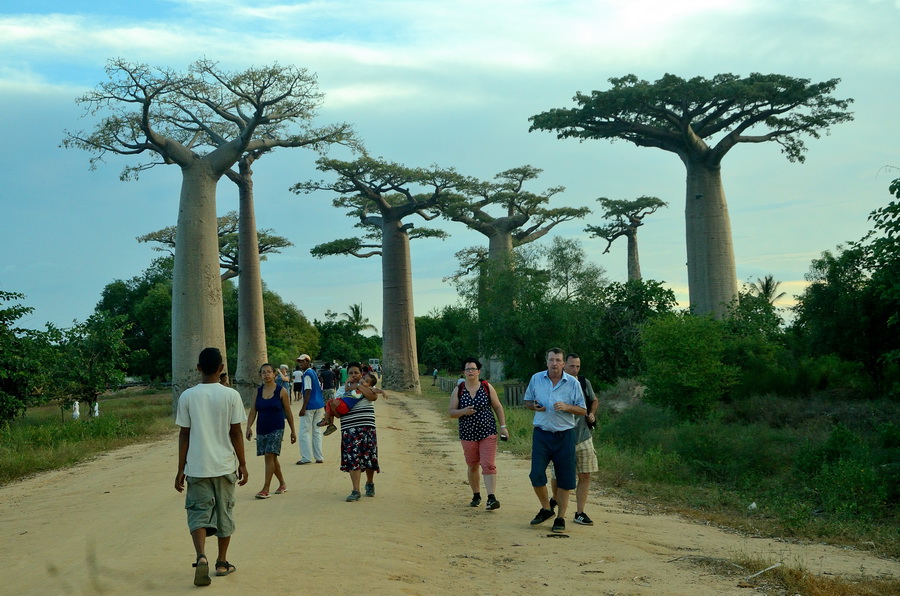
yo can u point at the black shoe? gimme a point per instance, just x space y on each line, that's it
492 504
559 525
353 496
370 489
542 516
476 501
583 519
553 504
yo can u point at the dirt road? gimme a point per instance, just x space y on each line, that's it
116 526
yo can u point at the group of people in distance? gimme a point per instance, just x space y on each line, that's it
564 407
211 457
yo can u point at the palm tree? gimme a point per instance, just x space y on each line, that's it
767 288
357 321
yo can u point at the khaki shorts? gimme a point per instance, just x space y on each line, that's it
210 504
585 459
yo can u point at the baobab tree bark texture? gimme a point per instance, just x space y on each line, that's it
712 276
197 313
252 351
399 354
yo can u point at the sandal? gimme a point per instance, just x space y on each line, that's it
262 495
322 423
281 489
201 575
228 567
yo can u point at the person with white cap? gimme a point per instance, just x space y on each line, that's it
312 411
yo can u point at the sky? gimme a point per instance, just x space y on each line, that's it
444 82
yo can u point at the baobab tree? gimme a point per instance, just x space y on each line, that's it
380 195
701 120
267 243
524 216
204 122
627 216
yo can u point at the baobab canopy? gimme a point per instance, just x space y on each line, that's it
700 120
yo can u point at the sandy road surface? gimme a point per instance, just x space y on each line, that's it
116 526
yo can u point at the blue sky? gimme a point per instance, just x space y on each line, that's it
446 82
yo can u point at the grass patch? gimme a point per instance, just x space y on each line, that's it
44 440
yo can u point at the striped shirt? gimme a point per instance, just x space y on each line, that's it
362 414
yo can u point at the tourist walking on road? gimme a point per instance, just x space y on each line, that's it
585 454
556 399
475 403
359 442
211 461
312 410
270 409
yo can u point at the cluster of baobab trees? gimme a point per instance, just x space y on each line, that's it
213 123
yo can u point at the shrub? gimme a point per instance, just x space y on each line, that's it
684 365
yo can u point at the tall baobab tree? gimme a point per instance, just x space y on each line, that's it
202 121
523 215
380 195
627 216
701 120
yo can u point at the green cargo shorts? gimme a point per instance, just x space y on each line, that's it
210 504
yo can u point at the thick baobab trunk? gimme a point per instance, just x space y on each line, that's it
500 254
197 317
251 346
712 278
634 260
500 247
399 360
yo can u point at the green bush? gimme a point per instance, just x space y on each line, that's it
850 487
684 368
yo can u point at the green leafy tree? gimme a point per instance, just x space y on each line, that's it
626 217
146 303
610 339
340 342
204 122
380 195
842 312
92 358
551 290
447 336
684 368
884 255
701 120
24 356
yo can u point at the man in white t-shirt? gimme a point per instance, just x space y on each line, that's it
210 460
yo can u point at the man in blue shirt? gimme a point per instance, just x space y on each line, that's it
556 399
312 411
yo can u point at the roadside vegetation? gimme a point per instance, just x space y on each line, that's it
812 470
46 438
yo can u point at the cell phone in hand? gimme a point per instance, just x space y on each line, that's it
504 438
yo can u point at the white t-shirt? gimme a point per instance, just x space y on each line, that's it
209 410
298 376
